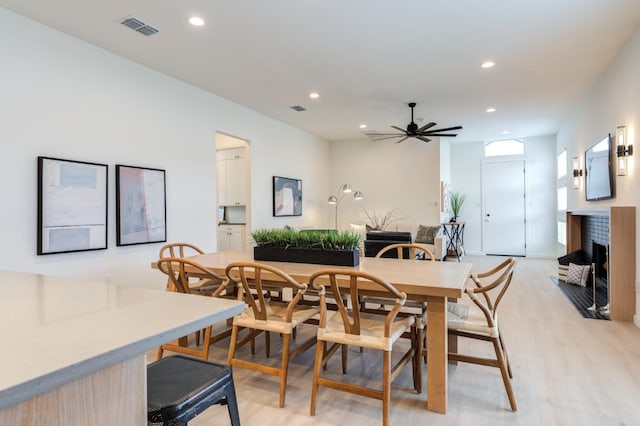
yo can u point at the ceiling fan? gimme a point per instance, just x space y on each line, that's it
413 131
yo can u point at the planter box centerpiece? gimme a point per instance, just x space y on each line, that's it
309 246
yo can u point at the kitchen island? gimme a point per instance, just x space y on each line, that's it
74 350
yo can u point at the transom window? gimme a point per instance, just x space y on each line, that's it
504 147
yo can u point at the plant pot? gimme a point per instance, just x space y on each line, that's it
315 256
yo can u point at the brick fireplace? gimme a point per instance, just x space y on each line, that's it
614 227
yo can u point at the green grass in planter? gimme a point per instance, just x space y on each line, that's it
288 238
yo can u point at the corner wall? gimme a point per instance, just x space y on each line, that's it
614 100
64 98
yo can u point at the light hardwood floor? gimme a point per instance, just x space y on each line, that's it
567 371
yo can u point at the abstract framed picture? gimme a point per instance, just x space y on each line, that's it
72 206
287 196
141 207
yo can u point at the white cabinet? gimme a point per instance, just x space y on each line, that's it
231 237
232 177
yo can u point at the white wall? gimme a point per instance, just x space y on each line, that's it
61 97
404 177
614 100
466 172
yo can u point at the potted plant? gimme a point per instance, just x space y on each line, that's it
320 247
456 200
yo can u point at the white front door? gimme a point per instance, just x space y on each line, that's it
504 207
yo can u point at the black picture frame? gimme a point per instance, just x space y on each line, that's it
287 196
141 205
72 206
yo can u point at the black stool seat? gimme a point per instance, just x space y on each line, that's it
179 388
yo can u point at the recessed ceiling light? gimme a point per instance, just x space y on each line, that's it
505 132
196 21
363 126
314 95
488 64
491 110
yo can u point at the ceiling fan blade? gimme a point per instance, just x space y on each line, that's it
385 134
426 126
445 129
387 137
398 128
423 139
406 137
440 134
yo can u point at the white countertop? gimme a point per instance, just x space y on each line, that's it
56 330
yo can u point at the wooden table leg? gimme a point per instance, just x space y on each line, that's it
437 345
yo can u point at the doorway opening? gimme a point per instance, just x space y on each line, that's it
233 192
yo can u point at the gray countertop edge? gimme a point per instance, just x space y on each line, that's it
29 389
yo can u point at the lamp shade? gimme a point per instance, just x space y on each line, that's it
333 200
358 195
346 188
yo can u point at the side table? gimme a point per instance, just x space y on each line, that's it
454 231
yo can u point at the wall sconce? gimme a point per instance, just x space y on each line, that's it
342 191
577 173
623 150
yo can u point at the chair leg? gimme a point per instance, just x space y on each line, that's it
416 337
284 367
506 355
206 343
232 404
320 351
345 352
267 343
232 345
386 387
505 374
252 344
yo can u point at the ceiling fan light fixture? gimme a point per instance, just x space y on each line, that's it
422 133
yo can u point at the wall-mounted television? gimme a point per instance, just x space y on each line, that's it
599 170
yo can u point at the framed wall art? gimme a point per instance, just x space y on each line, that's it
72 206
140 205
287 196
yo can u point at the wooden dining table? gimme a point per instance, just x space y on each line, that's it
431 282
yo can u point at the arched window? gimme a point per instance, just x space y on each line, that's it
504 147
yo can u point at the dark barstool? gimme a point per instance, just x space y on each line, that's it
179 388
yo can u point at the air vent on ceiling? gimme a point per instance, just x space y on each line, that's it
139 26
298 108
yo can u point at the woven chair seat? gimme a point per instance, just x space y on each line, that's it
371 331
276 314
470 318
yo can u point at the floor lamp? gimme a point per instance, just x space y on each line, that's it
342 191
